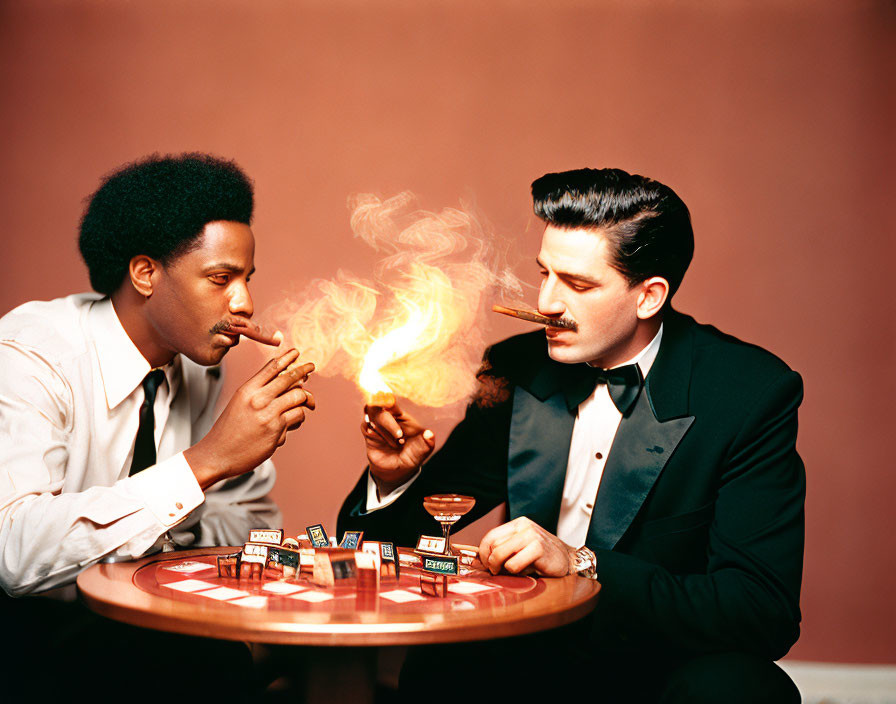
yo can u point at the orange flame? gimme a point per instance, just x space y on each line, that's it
417 329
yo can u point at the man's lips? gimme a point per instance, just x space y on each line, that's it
553 333
226 339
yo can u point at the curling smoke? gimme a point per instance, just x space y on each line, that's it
416 328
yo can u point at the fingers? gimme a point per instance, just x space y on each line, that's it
376 436
523 557
393 424
293 418
498 534
382 423
502 550
293 399
523 546
274 367
295 375
504 541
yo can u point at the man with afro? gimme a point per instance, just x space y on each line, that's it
110 447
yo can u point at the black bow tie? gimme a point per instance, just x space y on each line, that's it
623 383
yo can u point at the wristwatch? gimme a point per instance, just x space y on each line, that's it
585 564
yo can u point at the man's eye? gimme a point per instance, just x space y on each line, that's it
580 287
219 279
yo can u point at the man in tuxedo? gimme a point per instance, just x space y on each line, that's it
632 445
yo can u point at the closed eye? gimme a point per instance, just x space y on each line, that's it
579 287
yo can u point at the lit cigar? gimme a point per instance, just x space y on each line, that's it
384 399
533 317
247 328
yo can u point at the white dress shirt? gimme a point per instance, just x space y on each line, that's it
597 421
70 394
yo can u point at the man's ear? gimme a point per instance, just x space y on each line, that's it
653 294
141 270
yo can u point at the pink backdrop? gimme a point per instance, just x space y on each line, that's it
773 120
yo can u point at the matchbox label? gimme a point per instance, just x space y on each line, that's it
268 536
284 556
318 536
351 539
442 564
429 543
255 552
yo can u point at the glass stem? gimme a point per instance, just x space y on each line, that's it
446 529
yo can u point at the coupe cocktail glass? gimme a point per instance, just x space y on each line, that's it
447 509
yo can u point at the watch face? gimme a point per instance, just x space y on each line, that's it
586 562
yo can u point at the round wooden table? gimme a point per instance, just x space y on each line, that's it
144 593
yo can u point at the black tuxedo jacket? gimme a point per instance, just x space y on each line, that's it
698 521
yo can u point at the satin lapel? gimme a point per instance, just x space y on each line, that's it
540 433
640 450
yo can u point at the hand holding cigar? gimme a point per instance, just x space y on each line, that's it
255 422
534 317
246 328
397 444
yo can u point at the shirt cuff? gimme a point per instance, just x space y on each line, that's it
169 490
374 503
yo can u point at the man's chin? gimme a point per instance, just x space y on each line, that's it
565 354
207 358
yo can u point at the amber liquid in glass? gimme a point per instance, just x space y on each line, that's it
448 509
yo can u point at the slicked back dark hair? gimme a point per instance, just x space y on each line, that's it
158 206
647 224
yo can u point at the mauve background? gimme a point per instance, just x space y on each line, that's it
773 120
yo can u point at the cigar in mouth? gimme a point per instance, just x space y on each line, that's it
534 317
247 328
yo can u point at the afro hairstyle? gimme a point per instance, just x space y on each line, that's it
158 206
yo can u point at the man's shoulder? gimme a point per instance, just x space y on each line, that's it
55 328
518 356
726 350
721 362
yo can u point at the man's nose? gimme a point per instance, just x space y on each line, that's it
241 301
548 302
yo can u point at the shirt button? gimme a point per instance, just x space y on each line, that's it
171 515
179 505
589 506
598 455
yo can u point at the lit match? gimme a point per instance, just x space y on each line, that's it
247 328
533 317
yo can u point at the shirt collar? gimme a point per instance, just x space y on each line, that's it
122 366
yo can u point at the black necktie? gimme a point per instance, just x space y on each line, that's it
623 383
145 444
